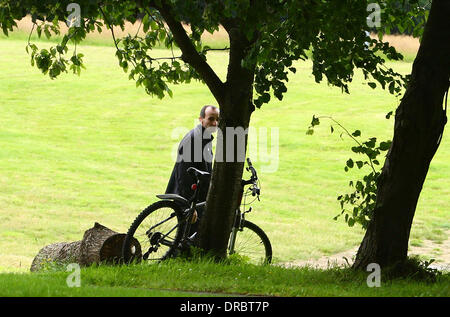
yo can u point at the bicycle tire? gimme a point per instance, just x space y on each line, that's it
136 245
253 244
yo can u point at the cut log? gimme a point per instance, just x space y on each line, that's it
111 250
92 243
99 244
58 253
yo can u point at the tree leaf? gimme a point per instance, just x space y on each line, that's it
350 163
351 222
384 146
315 121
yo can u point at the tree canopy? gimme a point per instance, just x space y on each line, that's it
330 33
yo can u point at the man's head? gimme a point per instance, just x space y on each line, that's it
209 116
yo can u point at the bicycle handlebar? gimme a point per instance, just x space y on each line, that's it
253 180
252 169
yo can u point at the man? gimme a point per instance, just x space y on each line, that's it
195 150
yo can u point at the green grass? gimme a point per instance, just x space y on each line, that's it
95 148
181 278
54 285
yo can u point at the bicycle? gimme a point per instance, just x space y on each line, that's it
162 229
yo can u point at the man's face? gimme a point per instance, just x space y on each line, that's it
211 119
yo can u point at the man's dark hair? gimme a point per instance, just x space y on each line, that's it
202 112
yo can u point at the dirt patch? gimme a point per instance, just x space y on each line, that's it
429 249
440 252
402 43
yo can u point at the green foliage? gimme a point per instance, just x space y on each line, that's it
152 73
415 269
358 206
406 16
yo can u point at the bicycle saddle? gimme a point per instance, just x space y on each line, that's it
198 174
174 197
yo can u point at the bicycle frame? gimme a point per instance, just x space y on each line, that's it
234 230
162 233
239 218
187 217
191 205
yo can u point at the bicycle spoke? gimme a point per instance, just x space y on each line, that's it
156 233
252 244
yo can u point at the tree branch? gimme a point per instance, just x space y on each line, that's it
239 46
133 61
216 49
190 54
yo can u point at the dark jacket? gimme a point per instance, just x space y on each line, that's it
195 150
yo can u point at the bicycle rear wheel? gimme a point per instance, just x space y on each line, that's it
253 244
154 234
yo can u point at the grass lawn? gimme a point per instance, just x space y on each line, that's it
181 278
95 148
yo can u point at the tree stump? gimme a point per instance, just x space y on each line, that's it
99 245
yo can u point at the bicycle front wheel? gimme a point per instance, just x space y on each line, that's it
252 243
154 234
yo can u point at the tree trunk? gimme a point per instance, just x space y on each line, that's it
99 244
222 199
235 111
419 125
